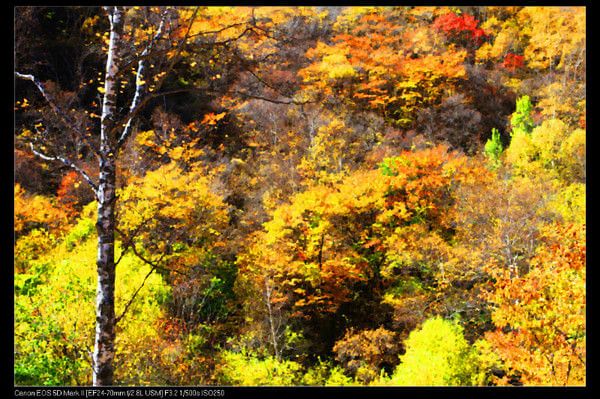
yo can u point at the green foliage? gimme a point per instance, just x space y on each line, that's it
387 167
54 316
493 148
437 354
81 231
217 293
521 120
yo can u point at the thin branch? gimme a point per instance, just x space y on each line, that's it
129 241
261 80
68 163
69 124
147 261
138 103
42 90
136 292
210 32
573 345
123 253
232 39
135 109
139 81
271 100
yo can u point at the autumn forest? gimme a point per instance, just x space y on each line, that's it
300 196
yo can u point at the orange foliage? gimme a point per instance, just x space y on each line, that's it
74 193
331 239
540 317
373 69
36 211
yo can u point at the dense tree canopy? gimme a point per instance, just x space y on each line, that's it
300 196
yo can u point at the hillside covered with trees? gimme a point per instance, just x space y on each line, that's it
329 196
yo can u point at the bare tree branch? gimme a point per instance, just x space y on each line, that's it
135 293
68 163
135 109
69 124
210 32
143 258
140 82
138 103
271 100
129 241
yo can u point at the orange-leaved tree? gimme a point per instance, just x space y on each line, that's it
394 75
339 244
540 316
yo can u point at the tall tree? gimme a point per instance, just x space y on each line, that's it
114 131
159 41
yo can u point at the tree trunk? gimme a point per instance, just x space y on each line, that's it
104 349
104 345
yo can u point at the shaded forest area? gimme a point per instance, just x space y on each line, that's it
300 196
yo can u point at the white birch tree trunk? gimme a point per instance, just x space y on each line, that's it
104 344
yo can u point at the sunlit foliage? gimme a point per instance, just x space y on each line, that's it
318 196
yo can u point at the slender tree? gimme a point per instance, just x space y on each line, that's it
168 31
114 132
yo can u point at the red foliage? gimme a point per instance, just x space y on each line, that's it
457 26
513 62
73 192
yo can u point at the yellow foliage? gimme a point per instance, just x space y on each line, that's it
556 35
550 150
58 310
570 202
170 205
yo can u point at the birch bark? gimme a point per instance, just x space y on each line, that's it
104 344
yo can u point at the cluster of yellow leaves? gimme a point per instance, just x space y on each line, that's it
556 35
329 151
437 354
506 38
316 247
247 369
170 205
55 316
549 37
211 118
559 101
174 147
551 149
